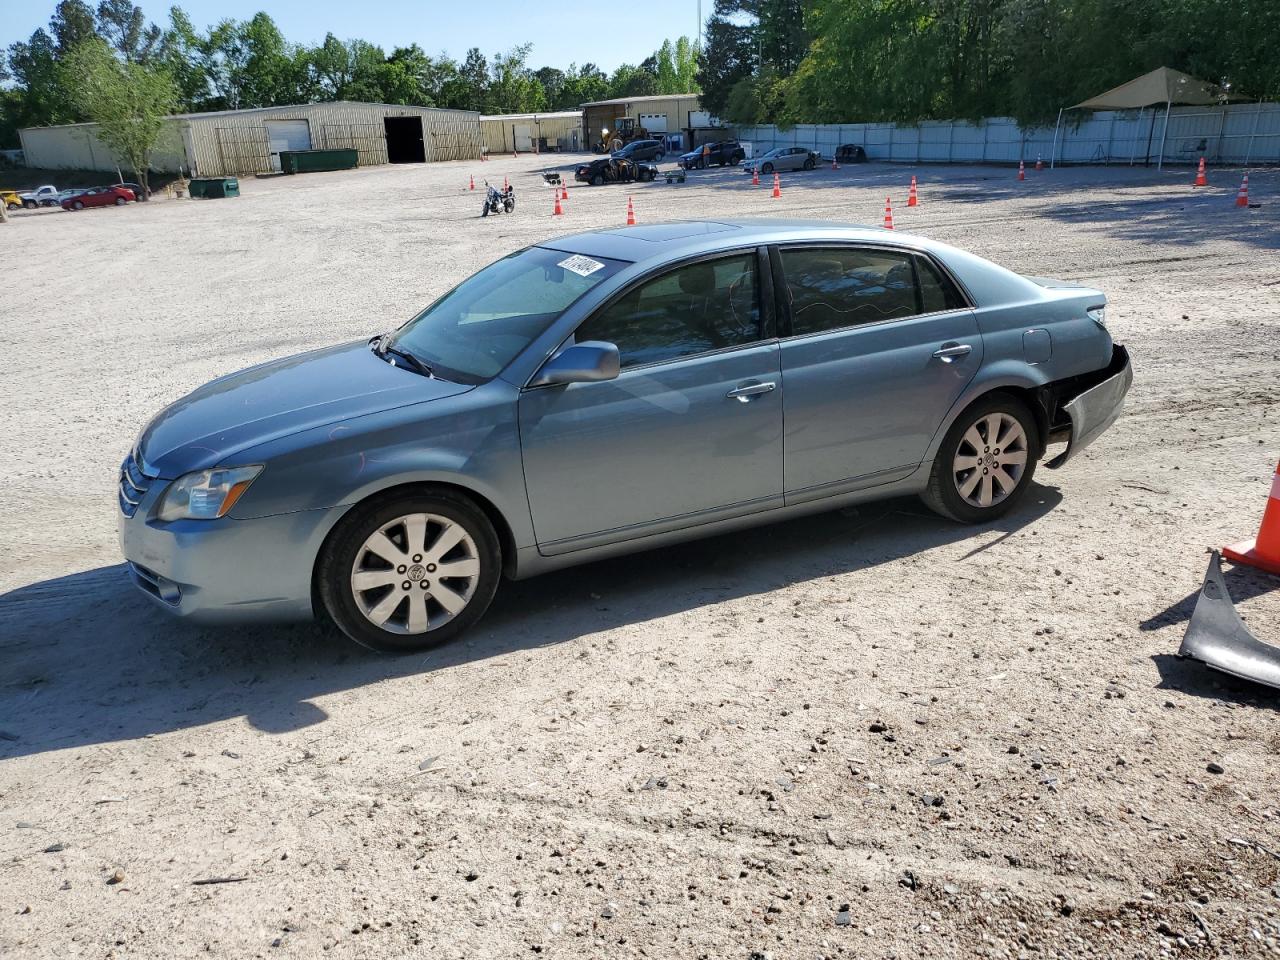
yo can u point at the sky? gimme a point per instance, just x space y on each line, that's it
561 33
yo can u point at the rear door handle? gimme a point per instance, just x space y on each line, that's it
949 352
744 393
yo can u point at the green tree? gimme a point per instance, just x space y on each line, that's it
128 101
512 86
122 24
728 57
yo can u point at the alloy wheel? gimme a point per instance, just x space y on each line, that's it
415 574
990 459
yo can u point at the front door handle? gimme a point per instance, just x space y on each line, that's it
951 351
744 393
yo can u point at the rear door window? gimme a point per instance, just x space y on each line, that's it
831 288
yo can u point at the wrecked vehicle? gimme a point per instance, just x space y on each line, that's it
605 393
615 170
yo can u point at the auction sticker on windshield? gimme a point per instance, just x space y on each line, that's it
582 266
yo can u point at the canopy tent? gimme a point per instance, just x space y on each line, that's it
1162 85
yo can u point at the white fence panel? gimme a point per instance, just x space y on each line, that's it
1239 133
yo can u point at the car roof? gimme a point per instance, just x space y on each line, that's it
680 238
655 244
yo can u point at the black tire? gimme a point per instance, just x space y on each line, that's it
735 160
121 201
767 168
484 211
810 164
11 205
597 180
333 571
30 204
509 206
943 494
78 205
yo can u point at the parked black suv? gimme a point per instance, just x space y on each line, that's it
641 150
719 153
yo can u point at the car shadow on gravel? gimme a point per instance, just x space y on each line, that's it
87 659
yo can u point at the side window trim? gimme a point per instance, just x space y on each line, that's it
911 253
762 328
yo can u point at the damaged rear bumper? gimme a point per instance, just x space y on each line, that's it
1218 638
1097 405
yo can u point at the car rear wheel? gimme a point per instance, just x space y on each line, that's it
986 461
597 180
809 164
410 572
121 201
767 168
78 205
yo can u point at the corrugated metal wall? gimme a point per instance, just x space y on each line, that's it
237 143
77 147
506 134
1240 134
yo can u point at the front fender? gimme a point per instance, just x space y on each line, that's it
470 441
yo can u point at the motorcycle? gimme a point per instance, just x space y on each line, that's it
498 201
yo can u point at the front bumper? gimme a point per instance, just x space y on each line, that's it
1097 406
226 570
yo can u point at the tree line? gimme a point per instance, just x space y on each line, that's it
241 64
846 61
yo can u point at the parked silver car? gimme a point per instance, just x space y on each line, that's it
605 393
784 158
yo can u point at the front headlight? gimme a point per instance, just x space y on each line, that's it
1098 315
207 494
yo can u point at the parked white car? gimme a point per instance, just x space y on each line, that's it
46 196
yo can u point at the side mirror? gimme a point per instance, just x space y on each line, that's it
581 363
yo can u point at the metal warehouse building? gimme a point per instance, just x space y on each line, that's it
664 114
238 142
530 132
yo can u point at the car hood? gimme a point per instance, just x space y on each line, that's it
273 400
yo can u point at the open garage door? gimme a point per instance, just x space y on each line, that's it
286 135
404 140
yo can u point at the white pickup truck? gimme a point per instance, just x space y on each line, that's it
41 197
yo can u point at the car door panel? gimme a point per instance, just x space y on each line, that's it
660 447
863 404
881 348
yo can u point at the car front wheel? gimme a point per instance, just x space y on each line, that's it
767 168
121 201
986 461
410 572
809 164
77 205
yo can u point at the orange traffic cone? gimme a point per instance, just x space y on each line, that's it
755 176
557 212
1039 162
1263 551
564 190
631 213
911 196
1201 179
777 185
506 184
473 184
1022 170
888 214
1242 197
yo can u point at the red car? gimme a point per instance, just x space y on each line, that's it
99 197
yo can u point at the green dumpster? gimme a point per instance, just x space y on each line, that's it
315 161
213 188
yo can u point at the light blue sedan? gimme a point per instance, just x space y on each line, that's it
605 393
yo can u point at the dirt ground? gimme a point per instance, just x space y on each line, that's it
871 733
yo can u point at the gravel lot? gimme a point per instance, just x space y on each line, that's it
867 734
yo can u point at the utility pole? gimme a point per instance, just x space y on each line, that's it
699 24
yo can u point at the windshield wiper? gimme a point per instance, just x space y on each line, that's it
382 347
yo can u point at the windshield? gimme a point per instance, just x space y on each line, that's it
471 333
